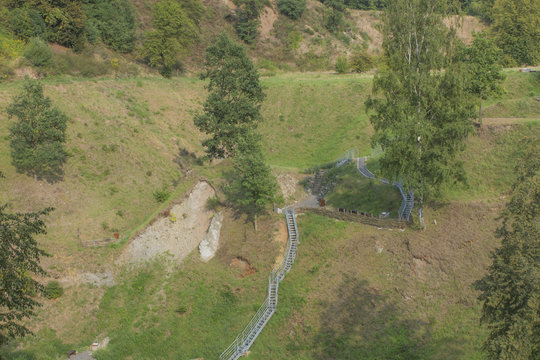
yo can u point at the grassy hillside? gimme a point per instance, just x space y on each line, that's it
354 292
126 138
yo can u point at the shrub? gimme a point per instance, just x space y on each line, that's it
53 290
247 29
311 61
38 52
161 195
83 64
361 61
5 71
266 64
341 65
181 309
10 47
292 8
334 20
293 40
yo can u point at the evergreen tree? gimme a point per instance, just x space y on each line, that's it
483 61
232 108
37 139
516 27
422 115
19 262
511 289
253 186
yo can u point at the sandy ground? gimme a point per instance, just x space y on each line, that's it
268 18
177 238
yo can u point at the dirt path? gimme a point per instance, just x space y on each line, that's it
506 121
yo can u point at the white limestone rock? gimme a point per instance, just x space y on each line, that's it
209 244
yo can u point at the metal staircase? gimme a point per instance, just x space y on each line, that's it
349 155
317 183
361 165
243 342
407 203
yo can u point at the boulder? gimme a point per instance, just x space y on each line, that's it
209 244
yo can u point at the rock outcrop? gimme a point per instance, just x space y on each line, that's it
209 244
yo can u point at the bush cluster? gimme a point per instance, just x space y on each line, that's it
38 52
292 8
73 22
111 21
342 66
161 195
361 61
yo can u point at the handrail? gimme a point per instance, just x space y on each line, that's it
245 339
407 202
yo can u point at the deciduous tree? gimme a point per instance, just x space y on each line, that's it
232 108
19 263
421 114
510 292
175 27
483 58
516 27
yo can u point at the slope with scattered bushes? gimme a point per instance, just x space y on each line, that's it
288 34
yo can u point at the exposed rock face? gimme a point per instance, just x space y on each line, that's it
178 234
209 244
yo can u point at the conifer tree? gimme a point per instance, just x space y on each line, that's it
253 186
37 138
232 108
421 114
510 292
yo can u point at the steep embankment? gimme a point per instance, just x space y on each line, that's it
304 43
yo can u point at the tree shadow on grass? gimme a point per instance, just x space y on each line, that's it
233 197
50 173
365 324
186 159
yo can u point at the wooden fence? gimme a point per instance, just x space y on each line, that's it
348 216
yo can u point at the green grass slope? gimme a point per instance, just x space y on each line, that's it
354 292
